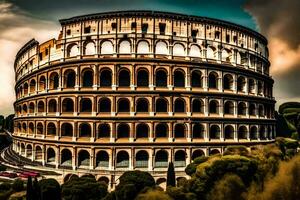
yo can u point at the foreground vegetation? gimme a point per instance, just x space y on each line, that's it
264 173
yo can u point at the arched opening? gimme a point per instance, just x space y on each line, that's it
51 129
42 83
104 179
197 153
31 107
242 108
214 132
67 105
54 81
29 151
261 111
262 133
102 159
197 106
195 51
87 78
85 105
229 132
143 47
103 131
213 80
72 50
213 107
142 78
242 132
52 106
25 89
179 78
70 78
124 78
40 129
85 130
229 108
105 78
104 105
226 55
179 131
83 159
125 47
142 105
260 87
24 128
210 53
32 86
228 82
22 149
179 160
161 78
50 155
41 107
178 50
198 131
161 159
253 133
38 153
67 130
179 106
251 86
107 47
31 128
141 159
161 130
214 152
123 105
123 131
252 110
89 48
196 78
161 48
161 105
122 160
241 84
66 157
142 130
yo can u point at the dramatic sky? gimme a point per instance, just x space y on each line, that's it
22 20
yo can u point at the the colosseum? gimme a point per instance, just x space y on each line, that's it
130 90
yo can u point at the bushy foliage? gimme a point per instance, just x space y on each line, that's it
153 194
230 187
192 167
83 188
49 189
236 150
133 182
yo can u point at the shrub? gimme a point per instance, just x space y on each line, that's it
236 150
49 189
18 185
152 194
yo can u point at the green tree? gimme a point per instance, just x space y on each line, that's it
29 189
49 189
133 182
153 194
84 188
171 179
36 189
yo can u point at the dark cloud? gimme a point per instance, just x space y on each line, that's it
56 9
279 21
277 18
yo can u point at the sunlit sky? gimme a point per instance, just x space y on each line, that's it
22 20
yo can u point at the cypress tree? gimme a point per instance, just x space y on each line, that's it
36 189
171 180
29 190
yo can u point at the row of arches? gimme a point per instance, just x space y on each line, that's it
161 79
146 105
125 46
144 130
103 158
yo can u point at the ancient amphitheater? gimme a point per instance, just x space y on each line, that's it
130 90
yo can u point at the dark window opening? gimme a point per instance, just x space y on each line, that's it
162 28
